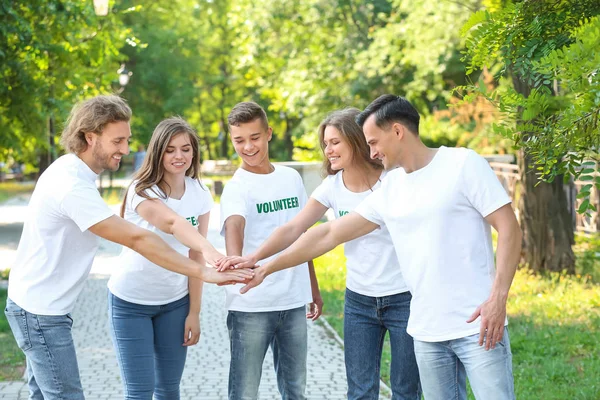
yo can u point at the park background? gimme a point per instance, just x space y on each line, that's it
519 79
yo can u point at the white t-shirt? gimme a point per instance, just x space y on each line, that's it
371 262
435 216
140 281
266 201
56 250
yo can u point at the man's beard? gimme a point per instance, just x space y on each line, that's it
102 158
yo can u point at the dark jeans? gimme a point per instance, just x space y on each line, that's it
366 321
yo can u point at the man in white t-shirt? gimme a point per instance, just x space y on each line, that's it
438 208
60 237
257 200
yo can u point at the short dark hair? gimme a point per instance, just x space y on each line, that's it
389 108
245 112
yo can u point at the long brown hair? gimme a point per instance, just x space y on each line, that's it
344 121
152 172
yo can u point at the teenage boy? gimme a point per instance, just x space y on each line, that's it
60 237
257 200
438 208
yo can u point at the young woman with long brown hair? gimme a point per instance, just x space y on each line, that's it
154 313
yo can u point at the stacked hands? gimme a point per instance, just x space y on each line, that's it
244 269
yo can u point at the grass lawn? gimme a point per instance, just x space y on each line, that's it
12 359
554 323
11 189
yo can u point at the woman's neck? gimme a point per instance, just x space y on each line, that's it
176 185
360 178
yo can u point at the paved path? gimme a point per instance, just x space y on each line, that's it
207 365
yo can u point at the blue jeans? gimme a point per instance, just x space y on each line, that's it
250 335
444 367
148 341
48 345
366 321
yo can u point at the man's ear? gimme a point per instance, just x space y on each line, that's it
88 137
269 134
399 130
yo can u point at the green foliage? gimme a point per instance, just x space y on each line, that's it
547 51
12 359
52 53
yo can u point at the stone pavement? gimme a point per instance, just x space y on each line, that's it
207 365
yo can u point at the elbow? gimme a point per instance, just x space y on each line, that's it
138 239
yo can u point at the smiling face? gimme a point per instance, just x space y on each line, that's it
178 155
384 143
108 147
336 149
251 143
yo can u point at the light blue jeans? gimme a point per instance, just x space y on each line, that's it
148 341
444 367
250 335
366 321
47 342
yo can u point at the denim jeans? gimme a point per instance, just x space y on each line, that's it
48 345
250 335
148 343
366 321
444 367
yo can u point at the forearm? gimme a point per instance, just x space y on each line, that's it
187 235
159 252
234 242
310 245
314 283
508 253
195 286
280 239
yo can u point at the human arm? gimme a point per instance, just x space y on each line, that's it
508 253
164 218
192 322
281 237
156 250
315 242
316 307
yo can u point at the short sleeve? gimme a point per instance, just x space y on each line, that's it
233 202
85 207
368 208
134 199
322 193
481 186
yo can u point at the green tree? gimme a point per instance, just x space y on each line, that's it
52 53
549 96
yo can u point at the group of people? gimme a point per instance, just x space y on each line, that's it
415 222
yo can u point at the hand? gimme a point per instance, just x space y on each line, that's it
214 258
315 308
232 262
259 276
191 333
493 315
211 275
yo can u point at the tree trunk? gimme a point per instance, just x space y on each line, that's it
544 215
545 220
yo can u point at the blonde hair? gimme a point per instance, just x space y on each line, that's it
152 170
92 115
